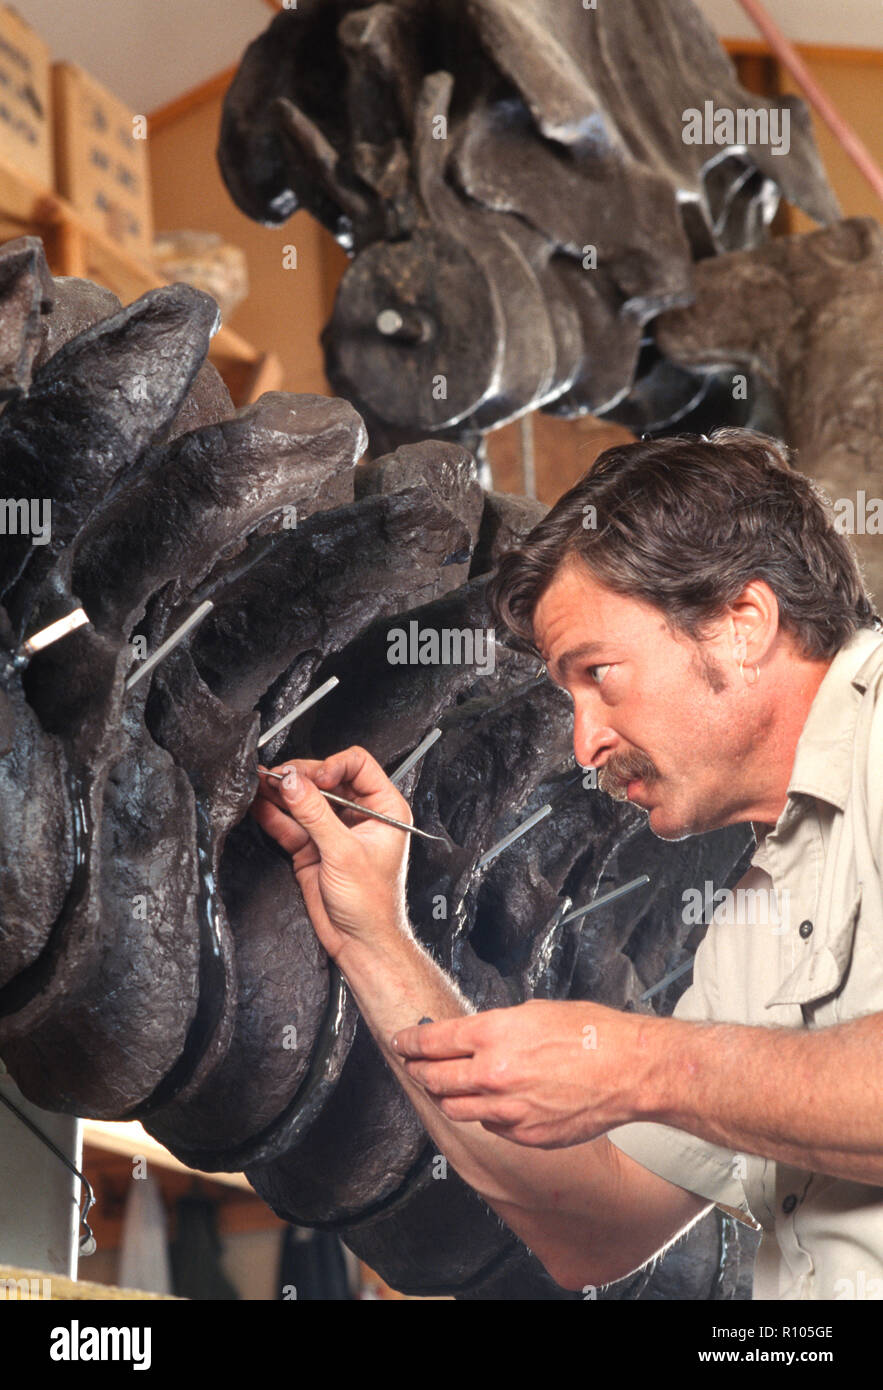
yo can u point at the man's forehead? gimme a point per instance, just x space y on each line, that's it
579 618
583 652
570 614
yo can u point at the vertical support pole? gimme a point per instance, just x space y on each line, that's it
39 1197
70 250
528 456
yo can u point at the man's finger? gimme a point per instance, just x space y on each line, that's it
452 1037
528 1136
271 787
313 813
484 1110
279 825
365 780
445 1078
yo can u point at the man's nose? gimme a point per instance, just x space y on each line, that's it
593 741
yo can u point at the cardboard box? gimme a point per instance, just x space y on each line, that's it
102 166
25 99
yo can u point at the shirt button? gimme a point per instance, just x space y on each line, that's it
805 929
789 1204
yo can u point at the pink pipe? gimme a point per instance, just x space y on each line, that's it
790 58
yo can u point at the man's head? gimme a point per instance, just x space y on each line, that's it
681 566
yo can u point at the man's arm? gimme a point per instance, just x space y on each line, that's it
811 1099
590 1213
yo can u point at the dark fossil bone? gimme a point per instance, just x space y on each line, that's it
26 295
35 799
211 487
91 411
141 981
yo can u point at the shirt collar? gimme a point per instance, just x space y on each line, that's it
822 765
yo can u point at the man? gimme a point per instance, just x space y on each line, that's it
710 624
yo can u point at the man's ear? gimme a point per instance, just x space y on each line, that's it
754 619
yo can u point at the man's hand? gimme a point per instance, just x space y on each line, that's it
352 876
545 1074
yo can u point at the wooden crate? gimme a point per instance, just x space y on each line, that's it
25 98
101 167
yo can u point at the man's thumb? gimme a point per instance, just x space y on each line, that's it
308 807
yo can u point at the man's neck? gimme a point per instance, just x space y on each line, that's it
796 685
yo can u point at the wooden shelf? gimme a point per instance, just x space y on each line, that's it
58 1288
73 247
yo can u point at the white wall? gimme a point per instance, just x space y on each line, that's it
150 51
856 23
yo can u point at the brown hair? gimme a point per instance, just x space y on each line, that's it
684 524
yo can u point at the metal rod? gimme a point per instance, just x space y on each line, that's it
840 128
298 710
668 979
177 637
514 835
415 757
606 898
60 628
364 811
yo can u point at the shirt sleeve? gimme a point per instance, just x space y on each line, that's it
695 1164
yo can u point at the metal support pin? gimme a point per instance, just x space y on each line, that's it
406 325
606 898
298 710
668 979
171 642
514 835
389 322
47 635
415 757
364 811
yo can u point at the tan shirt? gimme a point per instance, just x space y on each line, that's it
806 952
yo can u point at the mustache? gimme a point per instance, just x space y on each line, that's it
622 768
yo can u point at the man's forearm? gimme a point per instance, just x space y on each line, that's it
810 1099
568 1205
397 983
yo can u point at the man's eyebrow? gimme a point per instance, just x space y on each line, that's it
558 669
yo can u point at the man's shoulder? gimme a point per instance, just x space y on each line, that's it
868 678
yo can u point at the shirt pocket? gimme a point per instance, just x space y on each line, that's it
822 970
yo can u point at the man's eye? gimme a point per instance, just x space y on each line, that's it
602 669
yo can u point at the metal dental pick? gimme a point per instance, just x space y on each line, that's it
363 810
